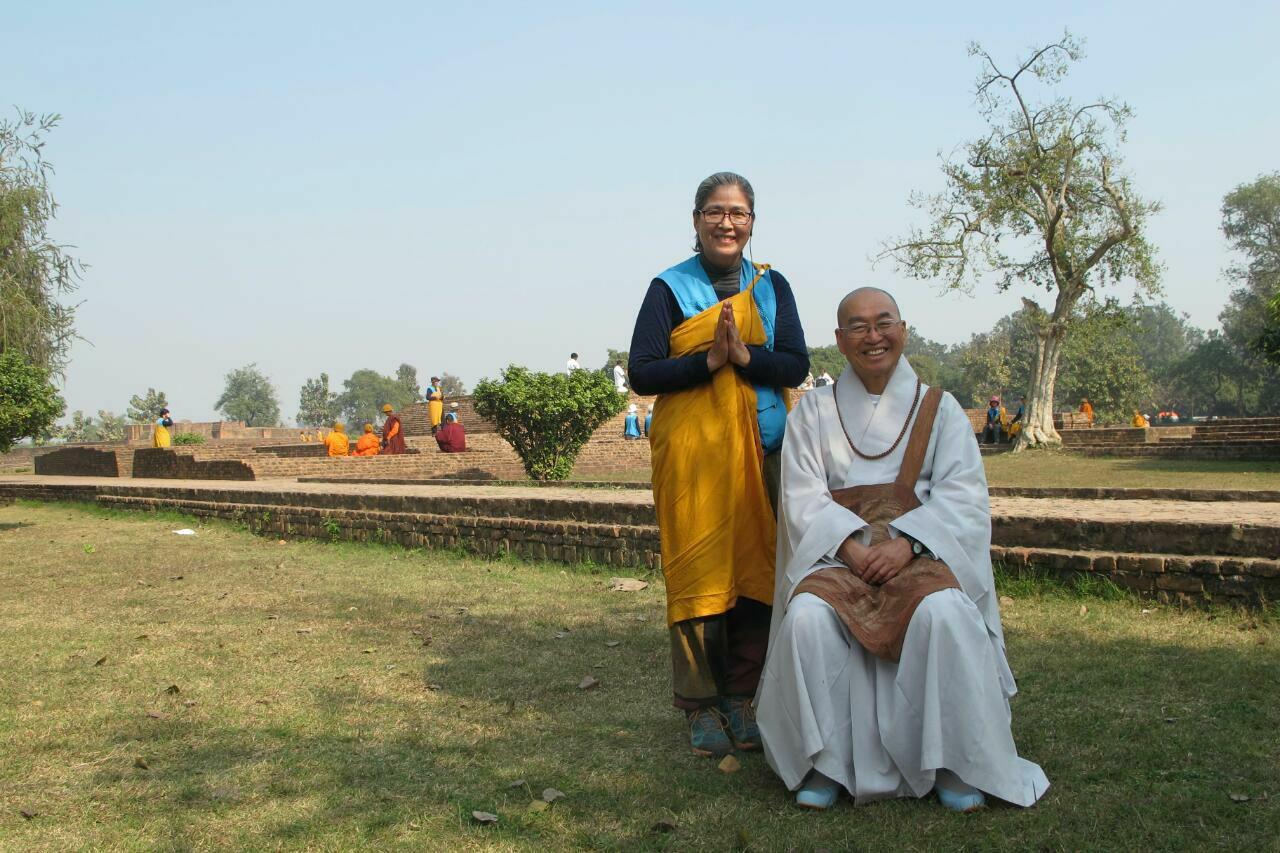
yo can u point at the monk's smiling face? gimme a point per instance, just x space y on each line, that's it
870 335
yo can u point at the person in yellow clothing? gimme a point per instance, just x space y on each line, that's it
1139 419
1086 409
435 403
161 437
337 442
368 444
718 339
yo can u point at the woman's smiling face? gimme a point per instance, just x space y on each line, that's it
723 242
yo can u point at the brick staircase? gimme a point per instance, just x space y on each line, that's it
1232 438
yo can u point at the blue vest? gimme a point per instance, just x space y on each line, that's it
694 294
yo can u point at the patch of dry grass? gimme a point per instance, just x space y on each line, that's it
343 696
1061 468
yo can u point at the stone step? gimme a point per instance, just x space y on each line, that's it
1121 531
1168 577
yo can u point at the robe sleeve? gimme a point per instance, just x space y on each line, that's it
954 519
813 524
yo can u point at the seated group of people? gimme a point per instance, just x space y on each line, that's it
450 436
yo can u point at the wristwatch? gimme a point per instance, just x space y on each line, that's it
917 547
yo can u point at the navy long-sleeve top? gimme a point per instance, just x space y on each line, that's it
652 371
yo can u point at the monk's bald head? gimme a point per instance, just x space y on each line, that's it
866 304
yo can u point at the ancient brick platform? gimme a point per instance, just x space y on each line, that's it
1192 551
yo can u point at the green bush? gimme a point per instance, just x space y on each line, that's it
188 438
547 417
29 404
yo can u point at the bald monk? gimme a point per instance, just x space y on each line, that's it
337 442
392 432
368 444
1086 409
886 674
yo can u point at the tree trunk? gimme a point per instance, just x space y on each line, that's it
1038 430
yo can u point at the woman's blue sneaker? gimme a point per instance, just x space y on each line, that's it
741 716
706 733
818 792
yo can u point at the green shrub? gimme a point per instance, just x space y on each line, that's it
547 417
188 438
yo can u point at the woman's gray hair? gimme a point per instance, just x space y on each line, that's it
713 182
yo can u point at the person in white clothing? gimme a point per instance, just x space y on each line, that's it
886 674
620 378
572 364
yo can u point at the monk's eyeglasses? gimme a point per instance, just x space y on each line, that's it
716 215
857 331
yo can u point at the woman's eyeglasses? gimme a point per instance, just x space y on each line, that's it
716 215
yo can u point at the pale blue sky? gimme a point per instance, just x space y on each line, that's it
323 187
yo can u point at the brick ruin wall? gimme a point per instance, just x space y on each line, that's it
626 536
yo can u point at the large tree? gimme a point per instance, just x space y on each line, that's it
452 386
36 273
1038 200
250 397
367 391
145 408
407 376
29 404
317 405
1251 224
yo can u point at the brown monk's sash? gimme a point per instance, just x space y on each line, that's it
878 616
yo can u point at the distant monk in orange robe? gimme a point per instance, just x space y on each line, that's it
392 432
368 444
1086 409
337 441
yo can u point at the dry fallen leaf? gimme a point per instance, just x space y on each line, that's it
141 763
100 661
588 683
560 635
141 637
613 643
28 814
550 795
519 783
627 584
433 686
1084 608
539 806
188 702
1006 601
368 651
175 577
485 817
729 764
1239 798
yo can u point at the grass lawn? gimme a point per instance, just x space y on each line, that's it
224 690
1059 468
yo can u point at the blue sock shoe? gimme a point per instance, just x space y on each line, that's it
955 794
818 792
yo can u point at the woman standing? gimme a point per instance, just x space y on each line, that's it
719 339
435 403
161 437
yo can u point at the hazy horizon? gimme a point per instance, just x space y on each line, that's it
316 188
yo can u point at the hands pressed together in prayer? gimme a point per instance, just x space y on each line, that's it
877 563
727 347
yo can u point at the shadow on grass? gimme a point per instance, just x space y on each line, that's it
1142 741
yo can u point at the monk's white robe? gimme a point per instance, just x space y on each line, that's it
882 729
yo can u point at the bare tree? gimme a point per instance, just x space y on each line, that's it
1039 201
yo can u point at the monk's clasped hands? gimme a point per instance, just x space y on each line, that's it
877 563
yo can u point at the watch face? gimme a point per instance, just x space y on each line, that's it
917 548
